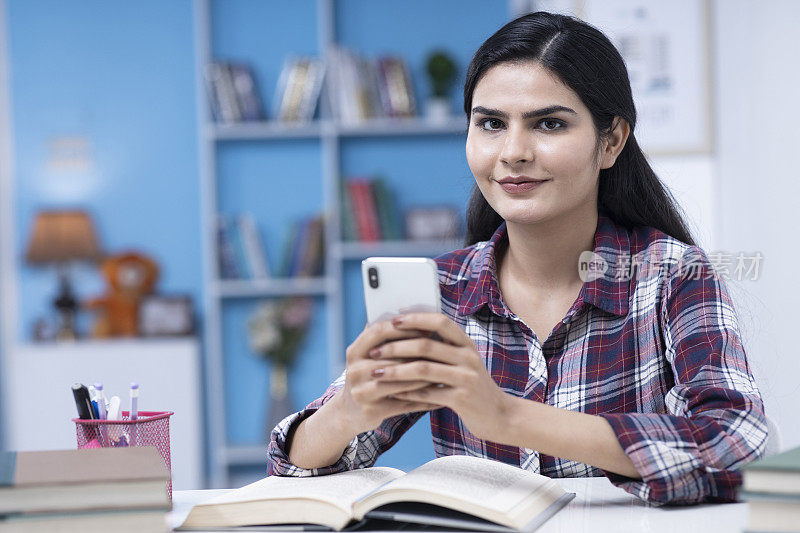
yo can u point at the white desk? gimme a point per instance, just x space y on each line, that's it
598 506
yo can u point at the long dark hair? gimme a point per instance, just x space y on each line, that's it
583 58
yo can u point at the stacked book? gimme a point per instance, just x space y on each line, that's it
772 491
360 89
240 251
232 93
102 489
369 211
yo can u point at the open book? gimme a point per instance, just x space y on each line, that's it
456 491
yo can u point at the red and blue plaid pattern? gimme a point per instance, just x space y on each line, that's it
652 346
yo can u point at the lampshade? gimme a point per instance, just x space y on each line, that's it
60 236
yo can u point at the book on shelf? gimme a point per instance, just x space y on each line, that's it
771 488
233 93
66 490
241 253
243 267
358 88
370 211
313 249
388 214
221 93
349 231
303 254
397 95
253 247
247 97
299 86
457 492
226 255
366 216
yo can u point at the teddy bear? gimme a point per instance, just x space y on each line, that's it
130 277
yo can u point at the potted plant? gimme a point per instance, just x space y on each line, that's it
442 72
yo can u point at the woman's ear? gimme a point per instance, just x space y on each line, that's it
614 142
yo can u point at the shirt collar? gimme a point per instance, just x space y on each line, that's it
609 292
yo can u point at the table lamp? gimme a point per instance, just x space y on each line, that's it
60 237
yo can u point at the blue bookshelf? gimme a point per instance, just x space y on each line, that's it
279 172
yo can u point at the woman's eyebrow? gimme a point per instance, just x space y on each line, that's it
527 114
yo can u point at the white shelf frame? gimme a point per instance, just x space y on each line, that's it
273 129
8 268
255 288
222 455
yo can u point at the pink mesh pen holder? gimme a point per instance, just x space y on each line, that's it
151 428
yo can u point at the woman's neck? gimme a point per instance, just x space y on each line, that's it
544 256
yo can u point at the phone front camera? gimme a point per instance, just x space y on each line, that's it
372 274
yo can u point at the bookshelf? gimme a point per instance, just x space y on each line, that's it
326 136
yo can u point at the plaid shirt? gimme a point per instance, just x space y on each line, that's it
652 345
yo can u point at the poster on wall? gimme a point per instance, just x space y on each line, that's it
665 47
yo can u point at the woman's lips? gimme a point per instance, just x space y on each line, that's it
517 187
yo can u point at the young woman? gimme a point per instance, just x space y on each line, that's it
633 369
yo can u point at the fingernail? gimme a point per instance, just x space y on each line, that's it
374 353
377 372
397 321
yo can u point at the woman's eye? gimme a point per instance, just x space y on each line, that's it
549 124
490 124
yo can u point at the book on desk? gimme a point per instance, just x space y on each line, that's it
102 489
771 488
456 491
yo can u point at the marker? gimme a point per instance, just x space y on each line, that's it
101 400
134 414
134 401
113 408
101 407
82 401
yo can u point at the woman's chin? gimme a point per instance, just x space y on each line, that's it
525 218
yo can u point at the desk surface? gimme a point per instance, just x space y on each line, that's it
598 506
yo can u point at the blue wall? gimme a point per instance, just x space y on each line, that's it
122 75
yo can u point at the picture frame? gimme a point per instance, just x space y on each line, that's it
431 223
666 48
166 316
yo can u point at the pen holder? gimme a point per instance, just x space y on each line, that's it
151 428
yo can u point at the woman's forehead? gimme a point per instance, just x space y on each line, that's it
522 84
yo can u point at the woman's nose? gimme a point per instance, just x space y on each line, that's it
517 147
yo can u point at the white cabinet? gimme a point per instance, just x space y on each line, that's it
38 407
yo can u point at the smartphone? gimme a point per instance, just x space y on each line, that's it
397 285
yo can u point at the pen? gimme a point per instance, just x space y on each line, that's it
82 401
134 414
101 407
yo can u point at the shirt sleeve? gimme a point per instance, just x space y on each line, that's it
362 452
715 416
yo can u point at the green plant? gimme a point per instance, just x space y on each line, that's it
442 72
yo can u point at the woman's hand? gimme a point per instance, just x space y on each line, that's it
365 402
453 369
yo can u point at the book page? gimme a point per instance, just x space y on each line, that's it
472 479
340 489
